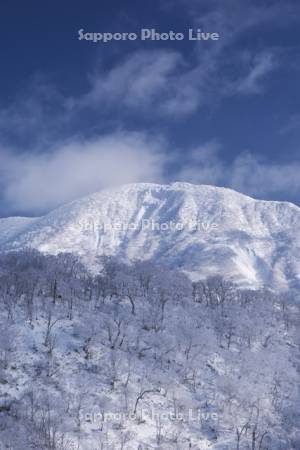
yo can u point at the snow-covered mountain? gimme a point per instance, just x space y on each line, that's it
203 230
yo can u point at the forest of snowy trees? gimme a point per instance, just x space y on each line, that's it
139 357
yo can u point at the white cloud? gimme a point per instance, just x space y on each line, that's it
247 173
223 65
36 111
204 165
38 182
163 83
149 83
157 84
42 181
263 64
293 124
262 178
146 81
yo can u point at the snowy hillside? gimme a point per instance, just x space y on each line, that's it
202 230
12 226
140 358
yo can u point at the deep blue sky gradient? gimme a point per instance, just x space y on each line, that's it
39 46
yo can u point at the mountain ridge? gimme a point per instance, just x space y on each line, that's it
253 242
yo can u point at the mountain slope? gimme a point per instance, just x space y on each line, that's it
203 230
12 226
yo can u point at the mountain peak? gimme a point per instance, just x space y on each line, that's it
204 230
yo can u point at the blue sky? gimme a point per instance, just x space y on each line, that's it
77 116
